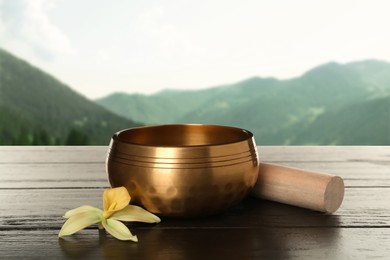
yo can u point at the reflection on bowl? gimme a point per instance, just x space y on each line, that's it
183 170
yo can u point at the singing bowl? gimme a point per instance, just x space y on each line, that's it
185 188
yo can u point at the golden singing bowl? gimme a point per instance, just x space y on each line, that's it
215 167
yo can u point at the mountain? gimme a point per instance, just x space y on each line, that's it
340 104
174 105
36 108
364 123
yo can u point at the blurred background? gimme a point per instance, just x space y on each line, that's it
292 72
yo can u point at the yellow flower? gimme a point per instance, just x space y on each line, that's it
116 208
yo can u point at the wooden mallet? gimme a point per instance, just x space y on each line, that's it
306 189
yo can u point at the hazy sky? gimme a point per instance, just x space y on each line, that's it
100 46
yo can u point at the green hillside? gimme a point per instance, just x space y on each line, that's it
322 106
36 108
368 122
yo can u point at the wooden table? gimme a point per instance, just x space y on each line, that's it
39 184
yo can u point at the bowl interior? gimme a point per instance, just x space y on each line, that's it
183 135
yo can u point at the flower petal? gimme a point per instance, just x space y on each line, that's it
78 222
81 209
115 199
135 213
118 230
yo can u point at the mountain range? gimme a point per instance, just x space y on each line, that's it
36 108
332 104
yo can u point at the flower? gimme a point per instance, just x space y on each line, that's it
116 208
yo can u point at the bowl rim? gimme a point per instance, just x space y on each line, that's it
248 135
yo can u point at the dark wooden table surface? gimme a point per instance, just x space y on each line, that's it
39 184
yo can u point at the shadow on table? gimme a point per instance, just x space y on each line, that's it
252 229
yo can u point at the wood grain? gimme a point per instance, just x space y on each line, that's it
184 243
362 207
38 184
